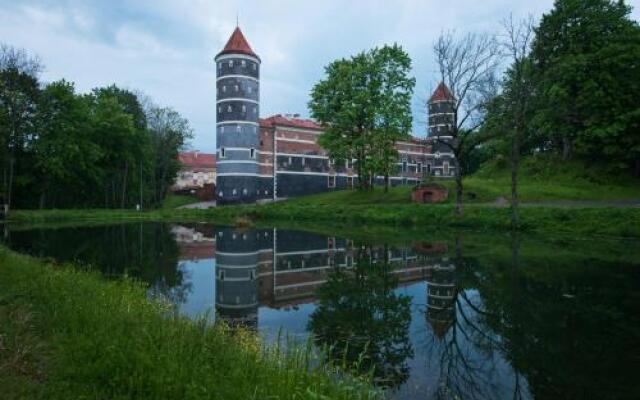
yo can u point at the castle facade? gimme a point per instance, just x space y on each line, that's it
261 159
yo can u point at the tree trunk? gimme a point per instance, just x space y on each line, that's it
459 210
515 161
12 162
637 168
386 182
567 148
124 185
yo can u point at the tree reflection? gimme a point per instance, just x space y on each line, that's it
145 251
363 321
467 350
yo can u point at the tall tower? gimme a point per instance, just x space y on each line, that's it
237 128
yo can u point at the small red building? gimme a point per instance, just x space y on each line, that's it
429 193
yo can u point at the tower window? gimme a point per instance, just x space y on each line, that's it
249 89
229 109
303 160
236 87
244 63
255 66
244 108
252 153
238 129
222 129
224 88
219 109
223 152
230 63
234 192
255 110
219 65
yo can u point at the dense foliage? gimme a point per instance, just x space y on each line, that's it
364 104
583 79
62 149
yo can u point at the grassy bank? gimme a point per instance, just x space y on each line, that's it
618 222
70 334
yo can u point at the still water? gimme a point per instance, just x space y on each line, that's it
461 315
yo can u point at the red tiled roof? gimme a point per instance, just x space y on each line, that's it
442 92
279 120
195 159
238 44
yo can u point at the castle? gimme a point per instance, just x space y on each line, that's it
278 157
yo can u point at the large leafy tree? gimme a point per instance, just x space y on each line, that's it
65 155
364 105
586 56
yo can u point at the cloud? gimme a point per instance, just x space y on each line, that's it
165 48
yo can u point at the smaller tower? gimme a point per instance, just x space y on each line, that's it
442 122
441 111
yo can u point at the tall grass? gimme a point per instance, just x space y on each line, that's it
90 338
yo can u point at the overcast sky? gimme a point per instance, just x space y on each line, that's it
165 48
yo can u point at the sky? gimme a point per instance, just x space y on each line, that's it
165 48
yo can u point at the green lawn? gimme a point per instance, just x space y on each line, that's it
70 334
175 201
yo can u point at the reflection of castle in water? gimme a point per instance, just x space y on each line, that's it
280 268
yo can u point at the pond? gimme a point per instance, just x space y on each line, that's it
436 315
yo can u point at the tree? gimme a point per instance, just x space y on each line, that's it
364 105
168 133
586 60
19 90
518 89
466 67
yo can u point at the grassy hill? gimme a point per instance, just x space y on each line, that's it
541 179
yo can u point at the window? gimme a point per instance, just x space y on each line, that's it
220 194
234 192
404 166
219 109
419 167
347 164
219 65
255 110
255 66
331 182
238 128
230 63
222 129
303 160
229 109
223 152
249 89
243 63
445 168
236 88
290 161
252 153
224 88
244 108
244 191
266 192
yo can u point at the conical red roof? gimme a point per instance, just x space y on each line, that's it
442 92
237 44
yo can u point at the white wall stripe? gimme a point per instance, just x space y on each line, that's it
237 76
238 99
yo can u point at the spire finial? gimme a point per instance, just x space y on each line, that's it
237 19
